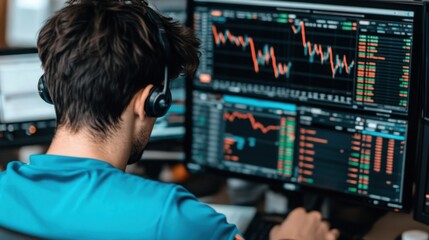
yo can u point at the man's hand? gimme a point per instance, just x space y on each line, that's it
300 225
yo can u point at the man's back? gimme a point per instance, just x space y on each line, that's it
66 197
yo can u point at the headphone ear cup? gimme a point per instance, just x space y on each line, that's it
158 103
43 90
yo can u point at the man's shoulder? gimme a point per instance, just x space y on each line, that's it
135 183
137 189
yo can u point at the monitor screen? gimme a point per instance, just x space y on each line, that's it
318 94
25 118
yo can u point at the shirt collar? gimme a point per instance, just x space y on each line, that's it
59 161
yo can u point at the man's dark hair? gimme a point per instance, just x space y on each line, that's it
97 54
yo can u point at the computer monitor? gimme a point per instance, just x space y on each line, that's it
25 119
322 95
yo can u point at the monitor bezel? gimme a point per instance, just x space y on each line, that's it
413 114
422 178
14 51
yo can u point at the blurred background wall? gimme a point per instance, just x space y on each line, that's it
21 20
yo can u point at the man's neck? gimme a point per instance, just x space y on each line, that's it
82 144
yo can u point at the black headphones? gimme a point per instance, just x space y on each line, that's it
43 90
159 99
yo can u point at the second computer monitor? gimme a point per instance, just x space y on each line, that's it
25 119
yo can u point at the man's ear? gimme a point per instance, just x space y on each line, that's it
139 101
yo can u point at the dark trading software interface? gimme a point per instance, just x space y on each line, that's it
304 94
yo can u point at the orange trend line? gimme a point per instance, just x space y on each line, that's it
255 125
319 51
346 66
239 41
253 51
281 68
331 60
278 68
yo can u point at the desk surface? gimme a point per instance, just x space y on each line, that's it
388 227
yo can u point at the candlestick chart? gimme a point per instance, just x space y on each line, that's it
290 54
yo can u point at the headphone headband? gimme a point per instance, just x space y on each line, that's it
159 100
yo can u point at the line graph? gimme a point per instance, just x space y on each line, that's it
315 49
254 124
260 57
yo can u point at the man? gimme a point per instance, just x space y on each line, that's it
101 60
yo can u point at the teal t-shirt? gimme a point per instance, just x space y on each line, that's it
63 197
